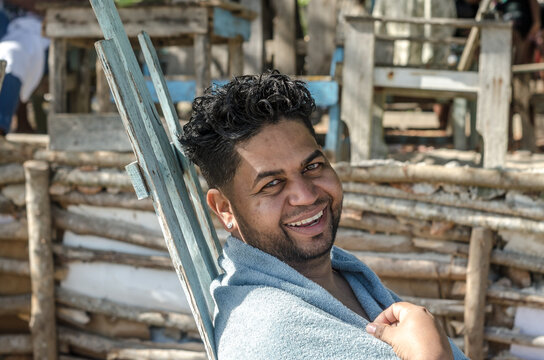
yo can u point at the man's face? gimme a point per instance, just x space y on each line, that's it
285 197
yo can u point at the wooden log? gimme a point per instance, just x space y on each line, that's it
15 267
357 240
16 304
507 336
95 158
412 266
73 254
101 346
389 225
481 244
414 209
15 344
155 354
38 207
439 307
111 229
104 199
448 199
116 179
465 176
515 297
11 174
16 230
183 322
12 152
15 193
72 316
532 263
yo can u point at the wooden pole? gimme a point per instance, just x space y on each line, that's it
203 51
481 243
38 206
57 74
285 36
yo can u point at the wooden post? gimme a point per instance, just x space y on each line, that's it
103 94
321 28
285 36
254 47
203 55
236 56
379 148
83 91
57 74
38 207
458 114
481 243
358 87
494 93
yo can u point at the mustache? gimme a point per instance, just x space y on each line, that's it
308 208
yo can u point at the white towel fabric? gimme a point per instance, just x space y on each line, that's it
23 47
267 310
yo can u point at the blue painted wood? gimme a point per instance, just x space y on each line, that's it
137 179
332 139
337 57
227 25
160 167
325 93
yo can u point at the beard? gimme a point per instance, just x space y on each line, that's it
285 247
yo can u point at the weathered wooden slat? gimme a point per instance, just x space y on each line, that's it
160 166
164 21
87 132
431 81
189 173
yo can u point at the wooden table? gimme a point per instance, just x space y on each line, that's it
168 22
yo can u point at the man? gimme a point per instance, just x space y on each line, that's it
287 293
23 47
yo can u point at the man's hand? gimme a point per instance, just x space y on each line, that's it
412 331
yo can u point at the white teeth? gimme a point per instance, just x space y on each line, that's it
307 221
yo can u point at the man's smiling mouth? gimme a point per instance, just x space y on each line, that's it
307 222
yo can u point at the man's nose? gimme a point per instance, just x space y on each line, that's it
302 192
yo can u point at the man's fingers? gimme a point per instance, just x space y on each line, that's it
380 331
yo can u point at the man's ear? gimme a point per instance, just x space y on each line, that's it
220 205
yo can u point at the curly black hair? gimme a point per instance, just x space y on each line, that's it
227 115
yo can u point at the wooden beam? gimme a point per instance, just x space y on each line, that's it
424 80
16 304
38 207
481 243
508 336
104 199
494 94
87 132
358 87
458 23
75 177
81 158
157 21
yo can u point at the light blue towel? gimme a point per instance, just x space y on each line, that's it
268 310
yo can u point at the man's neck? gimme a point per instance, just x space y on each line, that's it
318 270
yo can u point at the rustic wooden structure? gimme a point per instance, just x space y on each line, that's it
364 84
199 23
161 170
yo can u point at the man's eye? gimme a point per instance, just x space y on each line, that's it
271 184
313 166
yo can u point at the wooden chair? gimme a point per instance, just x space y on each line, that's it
161 170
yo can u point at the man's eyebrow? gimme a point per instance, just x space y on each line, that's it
317 153
265 174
